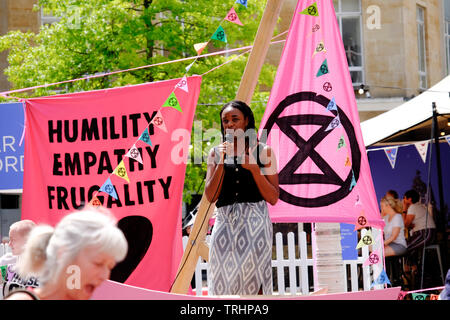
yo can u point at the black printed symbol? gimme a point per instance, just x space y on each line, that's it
324 69
232 16
362 221
121 172
306 149
145 137
220 35
374 258
327 87
109 188
312 10
320 47
419 297
382 278
334 124
182 83
367 240
134 153
158 121
172 102
96 203
315 28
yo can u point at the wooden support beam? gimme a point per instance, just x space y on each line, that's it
259 51
196 244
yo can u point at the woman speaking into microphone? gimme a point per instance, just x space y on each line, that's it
241 177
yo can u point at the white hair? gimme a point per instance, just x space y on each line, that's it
49 250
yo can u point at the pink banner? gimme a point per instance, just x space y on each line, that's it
312 123
123 141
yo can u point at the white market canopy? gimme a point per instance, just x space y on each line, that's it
410 121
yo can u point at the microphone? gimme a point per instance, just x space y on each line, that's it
229 137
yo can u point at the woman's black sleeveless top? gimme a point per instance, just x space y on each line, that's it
238 183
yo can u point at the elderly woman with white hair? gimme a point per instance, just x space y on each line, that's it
73 258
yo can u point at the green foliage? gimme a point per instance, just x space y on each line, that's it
99 36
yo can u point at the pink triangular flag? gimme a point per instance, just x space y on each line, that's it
233 17
134 154
361 221
422 148
183 84
373 258
158 121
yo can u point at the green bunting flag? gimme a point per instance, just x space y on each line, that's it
220 35
323 69
172 101
311 10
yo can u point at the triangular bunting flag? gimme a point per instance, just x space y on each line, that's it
361 221
348 163
172 102
95 202
319 48
332 105
422 148
189 66
323 69
434 297
311 10
109 189
391 154
220 35
382 279
419 296
183 84
121 171
373 258
243 2
134 153
448 140
342 144
159 122
366 240
145 136
336 122
199 47
233 17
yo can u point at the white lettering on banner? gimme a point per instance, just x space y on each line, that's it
74 279
11 163
9 144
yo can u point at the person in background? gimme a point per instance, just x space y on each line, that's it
18 234
72 259
419 220
394 242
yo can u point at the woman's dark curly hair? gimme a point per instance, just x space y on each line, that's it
248 113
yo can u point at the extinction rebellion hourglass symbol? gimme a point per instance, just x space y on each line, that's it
367 240
220 35
232 16
327 87
173 102
374 258
134 152
307 150
121 172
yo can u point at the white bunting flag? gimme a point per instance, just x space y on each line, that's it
422 148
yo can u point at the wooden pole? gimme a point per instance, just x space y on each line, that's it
197 246
259 51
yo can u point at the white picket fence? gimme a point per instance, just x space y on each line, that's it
297 268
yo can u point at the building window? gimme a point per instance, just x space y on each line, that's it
422 48
447 33
349 15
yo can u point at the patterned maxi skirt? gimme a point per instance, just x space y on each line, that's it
240 256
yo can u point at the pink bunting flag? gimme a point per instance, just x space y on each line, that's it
134 153
373 258
183 84
233 17
158 121
361 221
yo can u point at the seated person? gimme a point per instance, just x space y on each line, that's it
419 221
395 242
